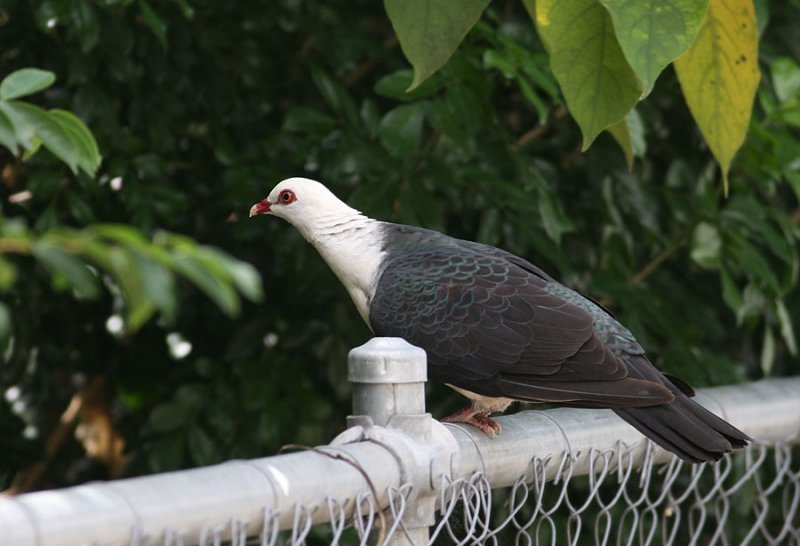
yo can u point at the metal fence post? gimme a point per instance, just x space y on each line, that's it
388 377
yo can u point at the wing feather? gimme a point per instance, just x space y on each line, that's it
495 328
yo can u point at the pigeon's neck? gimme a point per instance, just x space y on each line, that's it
351 244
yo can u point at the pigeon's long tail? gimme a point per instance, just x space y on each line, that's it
683 426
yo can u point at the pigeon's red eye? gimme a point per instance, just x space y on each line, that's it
286 197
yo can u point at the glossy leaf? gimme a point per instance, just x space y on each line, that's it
786 327
154 22
73 269
401 129
706 246
429 32
598 84
168 453
245 277
7 137
53 136
158 284
785 78
396 84
202 448
654 33
629 134
730 293
768 351
130 279
24 129
719 76
25 82
216 287
169 417
622 134
6 327
88 154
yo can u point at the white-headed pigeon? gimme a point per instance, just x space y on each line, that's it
496 328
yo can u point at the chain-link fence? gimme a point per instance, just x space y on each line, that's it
396 476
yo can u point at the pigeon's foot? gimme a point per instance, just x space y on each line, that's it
477 418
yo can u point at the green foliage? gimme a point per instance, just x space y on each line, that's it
653 35
430 32
598 83
198 122
607 54
28 126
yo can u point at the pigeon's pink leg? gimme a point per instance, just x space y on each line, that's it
478 418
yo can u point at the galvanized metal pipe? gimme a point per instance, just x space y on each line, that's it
767 410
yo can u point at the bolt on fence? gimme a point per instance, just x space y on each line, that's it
396 477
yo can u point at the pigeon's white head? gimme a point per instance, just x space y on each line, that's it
304 203
349 241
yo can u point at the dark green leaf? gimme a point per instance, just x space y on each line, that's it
202 448
786 327
542 109
6 327
493 58
785 78
396 84
186 9
750 260
731 293
7 137
85 24
79 208
158 284
168 453
73 269
213 284
154 22
430 32
25 82
88 157
334 93
301 118
768 351
401 129
555 221
52 134
127 275
244 275
169 417
24 129
194 396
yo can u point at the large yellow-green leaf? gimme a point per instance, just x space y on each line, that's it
719 76
653 33
598 84
430 30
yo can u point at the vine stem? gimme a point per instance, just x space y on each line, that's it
662 257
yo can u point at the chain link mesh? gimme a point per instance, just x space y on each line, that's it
750 498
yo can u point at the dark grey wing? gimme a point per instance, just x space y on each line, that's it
492 327
681 426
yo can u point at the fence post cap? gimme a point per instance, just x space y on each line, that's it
387 360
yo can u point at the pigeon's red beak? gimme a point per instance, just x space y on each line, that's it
262 207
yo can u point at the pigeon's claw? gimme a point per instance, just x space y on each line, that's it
477 418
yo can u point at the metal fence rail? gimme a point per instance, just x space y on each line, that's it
397 476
